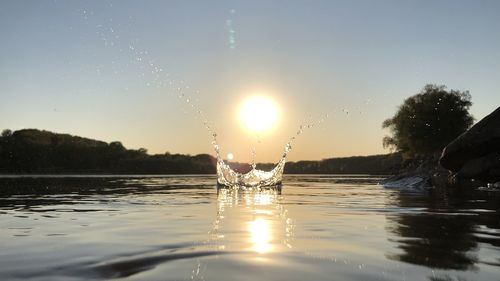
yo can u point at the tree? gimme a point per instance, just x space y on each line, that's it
426 122
6 133
117 147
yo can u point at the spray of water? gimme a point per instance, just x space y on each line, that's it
255 178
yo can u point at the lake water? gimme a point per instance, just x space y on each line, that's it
183 228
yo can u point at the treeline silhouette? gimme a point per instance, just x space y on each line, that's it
374 164
32 151
35 151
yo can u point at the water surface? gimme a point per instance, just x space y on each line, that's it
183 228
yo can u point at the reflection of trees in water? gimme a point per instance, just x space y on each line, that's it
37 193
437 241
446 233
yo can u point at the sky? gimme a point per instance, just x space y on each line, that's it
112 70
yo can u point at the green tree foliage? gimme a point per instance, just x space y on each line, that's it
384 164
426 122
35 151
6 133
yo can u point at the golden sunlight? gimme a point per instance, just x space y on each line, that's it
261 235
259 113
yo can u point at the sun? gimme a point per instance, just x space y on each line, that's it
259 113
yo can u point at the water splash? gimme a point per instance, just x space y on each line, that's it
256 178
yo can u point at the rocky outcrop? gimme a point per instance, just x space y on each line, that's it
416 183
476 153
419 175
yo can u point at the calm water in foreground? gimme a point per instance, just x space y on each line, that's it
181 228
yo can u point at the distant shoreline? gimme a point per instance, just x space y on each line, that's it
30 152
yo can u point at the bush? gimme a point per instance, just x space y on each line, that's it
426 122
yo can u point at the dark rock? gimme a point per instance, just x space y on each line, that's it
476 153
418 175
457 181
414 183
440 177
481 168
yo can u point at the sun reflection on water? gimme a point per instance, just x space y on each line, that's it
260 235
252 220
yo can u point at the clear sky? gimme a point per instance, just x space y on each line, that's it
101 69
